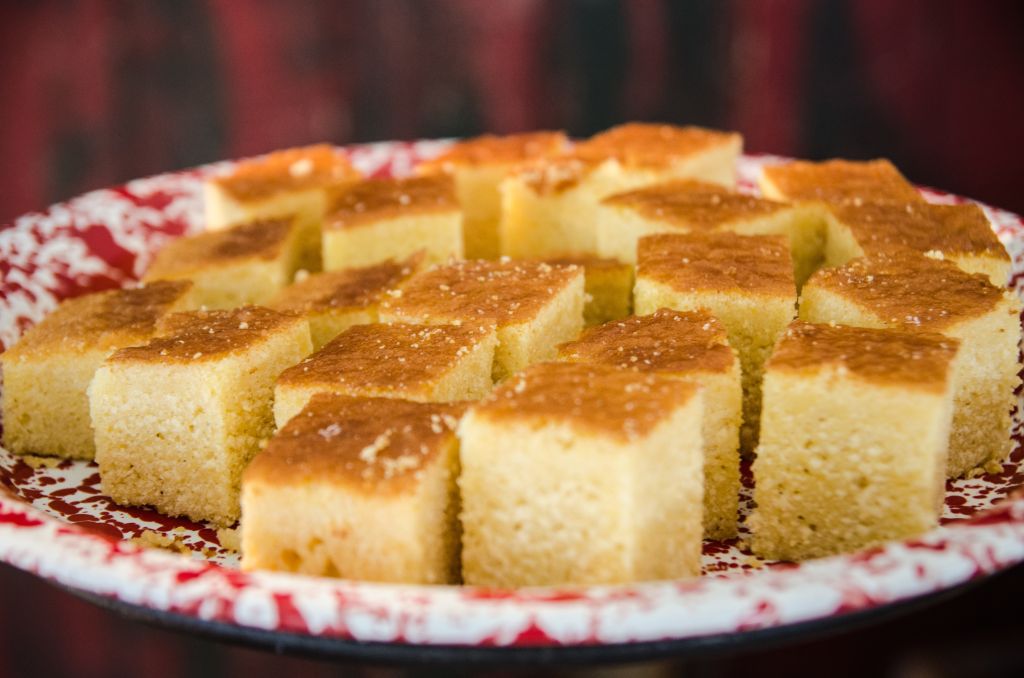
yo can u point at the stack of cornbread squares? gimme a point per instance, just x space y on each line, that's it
539 362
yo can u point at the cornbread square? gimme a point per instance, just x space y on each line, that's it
853 439
549 206
607 287
690 346
688 206
746 281
296 182
426 363
282 183
838 182
179 418
478 166
359 488
380 219
960 233
534 306
337 300
681 152
245 264
582 474
46 373
910 291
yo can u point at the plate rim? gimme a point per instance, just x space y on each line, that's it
999 545
405 654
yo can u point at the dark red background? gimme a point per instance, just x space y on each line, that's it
94 92
97 91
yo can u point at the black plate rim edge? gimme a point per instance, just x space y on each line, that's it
401 654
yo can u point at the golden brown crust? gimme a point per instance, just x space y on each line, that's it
503 292
951 229
292 169
910 290
375 199
840 181
646 145
371 444
694 204
718 262
346 289
402 358
208 335
257 240
103 320
623 404
497 150
894 357
666 341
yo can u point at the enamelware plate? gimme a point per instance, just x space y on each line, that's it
56 523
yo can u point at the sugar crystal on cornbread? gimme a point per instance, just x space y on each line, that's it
960 233
549 206
440 363
478 166
47 372
336 300
688 206
295 182
690 346
582 474
380 219
534 305
245 264
746 281
837 181
854 435
359 488
910 291
607 286
177 419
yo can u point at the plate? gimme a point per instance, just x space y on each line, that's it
56 523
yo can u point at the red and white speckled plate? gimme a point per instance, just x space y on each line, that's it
56 523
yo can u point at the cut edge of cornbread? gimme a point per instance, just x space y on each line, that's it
553 223
380 219
46 374
607 287
723 402
370 516
478 166
438 235
546 502
851 455
176 433
753 341
245 264
985 378
524 344
754 304
223 212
